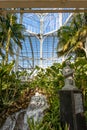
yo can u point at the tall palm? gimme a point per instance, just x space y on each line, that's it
13 34
65 33
2 35
72 37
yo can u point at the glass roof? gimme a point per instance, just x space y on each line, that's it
32 22
41 39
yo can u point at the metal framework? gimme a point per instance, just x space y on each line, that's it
43 41
40 6
34 10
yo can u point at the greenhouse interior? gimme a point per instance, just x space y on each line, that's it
43 68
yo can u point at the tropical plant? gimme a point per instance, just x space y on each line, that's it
50 80
11 86
11 33
2 36
4 72
38 125
72 37
80 67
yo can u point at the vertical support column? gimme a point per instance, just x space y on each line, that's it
60 20
18 49
41 42
60 24
41 53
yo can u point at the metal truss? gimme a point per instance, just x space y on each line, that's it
42 10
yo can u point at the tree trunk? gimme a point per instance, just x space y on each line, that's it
8 41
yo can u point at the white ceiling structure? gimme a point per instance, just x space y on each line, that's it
44 49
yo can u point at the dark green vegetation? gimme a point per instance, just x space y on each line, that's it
15 94
11 34
73 37
51 81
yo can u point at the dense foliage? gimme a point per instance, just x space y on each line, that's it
47 81
11 35
15 94
72 37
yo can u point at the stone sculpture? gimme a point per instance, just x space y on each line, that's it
68 77
35 110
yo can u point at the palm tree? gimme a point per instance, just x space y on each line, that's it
12 33
65 33
2 36
72 37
